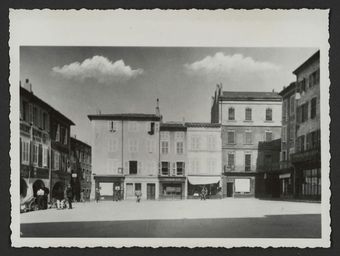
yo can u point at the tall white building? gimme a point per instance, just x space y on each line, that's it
247 118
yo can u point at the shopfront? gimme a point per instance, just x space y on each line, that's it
172 188
211 183
111 187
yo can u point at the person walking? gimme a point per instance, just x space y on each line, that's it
59 195
204 193
69 194
97 195
138 196
40 198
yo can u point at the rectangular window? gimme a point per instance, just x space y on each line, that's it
165 135
25 152
25 111
231 114
35 116
133 146
248 137
45 156
247 162
284 110
56 160
179 136
138 187
195 143
165 147
35 154
211 142
269 136
269 114
313 108
180 168
231 160
165 168
248 116
151 146
292 104
231 137
133 167
179 147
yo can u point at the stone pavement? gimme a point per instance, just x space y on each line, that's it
171 210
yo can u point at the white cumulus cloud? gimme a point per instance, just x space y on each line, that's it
98 68
220 64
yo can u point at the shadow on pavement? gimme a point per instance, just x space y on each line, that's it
272 226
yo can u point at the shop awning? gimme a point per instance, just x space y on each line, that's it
285 175
203 180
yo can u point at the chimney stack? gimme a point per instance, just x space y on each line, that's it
28 85
157 108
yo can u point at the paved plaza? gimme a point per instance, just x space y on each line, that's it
186 218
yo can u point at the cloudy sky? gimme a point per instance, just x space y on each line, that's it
83 80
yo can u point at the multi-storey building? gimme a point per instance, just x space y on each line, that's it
81 169
173 148
307 158
288 137
267 182
44 144
125 154
247 118
204 158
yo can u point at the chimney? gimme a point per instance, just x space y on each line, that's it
157 108
28 85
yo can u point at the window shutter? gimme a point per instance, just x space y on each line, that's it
40 155
30 112
174 168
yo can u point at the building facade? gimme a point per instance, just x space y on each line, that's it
81 172
204 159
125 155
173 160
43 159
307 157
247 118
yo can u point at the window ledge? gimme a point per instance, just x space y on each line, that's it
268 121
248 121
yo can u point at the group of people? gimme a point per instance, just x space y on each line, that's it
64 196
42 197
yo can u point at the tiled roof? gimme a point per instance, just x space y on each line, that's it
44 104
172 126
288 89
126 116
314 57
202 125
250 96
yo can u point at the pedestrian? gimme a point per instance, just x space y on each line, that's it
138 194
204 193
45 200
82 196
40 198
59 196
69 195
97 195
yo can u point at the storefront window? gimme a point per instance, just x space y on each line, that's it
311 185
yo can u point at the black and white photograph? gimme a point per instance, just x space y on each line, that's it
137 141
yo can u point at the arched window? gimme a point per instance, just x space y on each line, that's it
269 114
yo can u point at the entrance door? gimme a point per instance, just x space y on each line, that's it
230 189
129 190
150 191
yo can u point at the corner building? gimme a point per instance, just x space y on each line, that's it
307 157
247 118
125 155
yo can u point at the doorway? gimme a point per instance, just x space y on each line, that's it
150 191
230 189
129 190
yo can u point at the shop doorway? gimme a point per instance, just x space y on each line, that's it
150 191
230 189
129 190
